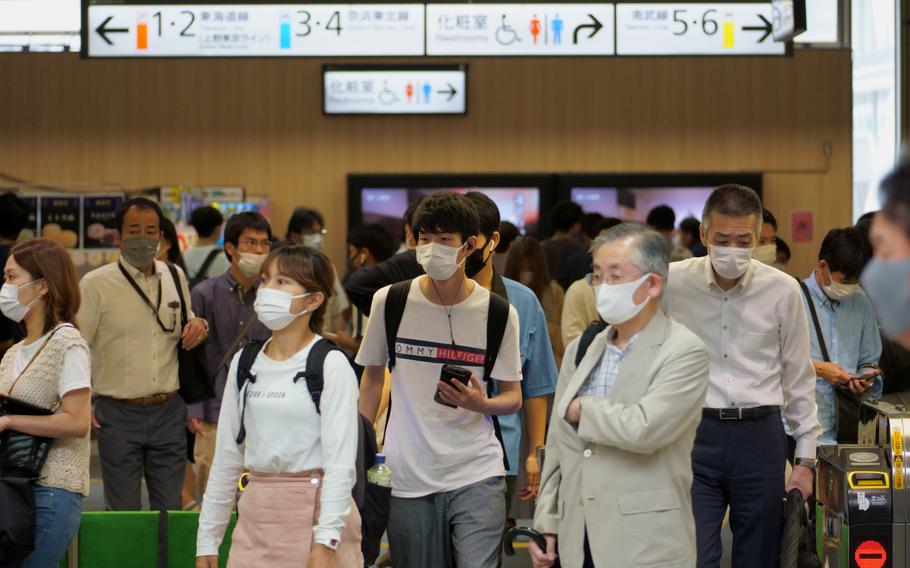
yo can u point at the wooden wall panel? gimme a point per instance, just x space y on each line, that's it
259 123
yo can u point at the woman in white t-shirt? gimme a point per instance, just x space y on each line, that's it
49 368
297 508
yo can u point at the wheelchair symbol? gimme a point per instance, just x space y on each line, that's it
387 96
506 34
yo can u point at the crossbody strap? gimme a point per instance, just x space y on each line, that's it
145 298
33 359
814 314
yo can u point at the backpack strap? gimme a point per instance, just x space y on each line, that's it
814 314
203 272
245 375
497 320
313 375
395 302
587 336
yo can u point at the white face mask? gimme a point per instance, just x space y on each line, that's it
766 254
250 263
730 262
273 307
615 303
837 290
314 241
10 305
440 262
525 277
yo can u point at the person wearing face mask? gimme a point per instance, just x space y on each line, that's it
206 258
618 469
766 249
752 319
226 303
50 368
296 509
131 318
448 486
852 344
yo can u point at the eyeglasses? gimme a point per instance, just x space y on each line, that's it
252 243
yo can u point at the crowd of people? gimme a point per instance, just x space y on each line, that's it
638 382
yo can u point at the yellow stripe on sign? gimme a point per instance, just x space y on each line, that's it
729 29
898 473
897 442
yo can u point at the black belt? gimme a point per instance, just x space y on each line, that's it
725 414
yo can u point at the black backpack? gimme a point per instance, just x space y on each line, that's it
497 319
590 332
366 436
204 269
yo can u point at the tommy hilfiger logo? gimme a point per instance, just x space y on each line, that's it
432 352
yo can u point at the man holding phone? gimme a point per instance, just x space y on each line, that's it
448 474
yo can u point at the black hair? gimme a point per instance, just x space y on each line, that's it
13 215
590 223
732 200
487 213
240 222
304 218
446 212
138 203
783 248
690 226
895 195
565 215
508 232
769 218
662 218
845 251
373 237
169 233
606 224
412 208
205 220
864 224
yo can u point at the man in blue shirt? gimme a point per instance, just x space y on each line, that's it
848 327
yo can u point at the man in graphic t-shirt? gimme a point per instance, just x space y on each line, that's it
448 475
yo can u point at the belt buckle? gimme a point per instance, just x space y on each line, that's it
731 414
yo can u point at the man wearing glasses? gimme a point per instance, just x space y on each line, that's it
226 302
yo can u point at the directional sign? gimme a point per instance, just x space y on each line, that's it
385 90
236 30
520 29
695 29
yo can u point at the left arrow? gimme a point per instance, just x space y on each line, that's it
103 30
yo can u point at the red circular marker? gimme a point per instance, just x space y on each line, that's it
870 554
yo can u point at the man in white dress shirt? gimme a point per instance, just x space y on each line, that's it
751 318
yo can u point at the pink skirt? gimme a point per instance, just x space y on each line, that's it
275 524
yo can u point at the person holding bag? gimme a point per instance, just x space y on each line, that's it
298 446
48 370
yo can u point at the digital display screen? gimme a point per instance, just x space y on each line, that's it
634 204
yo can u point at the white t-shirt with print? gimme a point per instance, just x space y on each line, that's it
432 448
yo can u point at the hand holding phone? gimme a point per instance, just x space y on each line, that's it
449 374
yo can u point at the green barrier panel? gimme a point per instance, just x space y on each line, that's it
181 539
119 539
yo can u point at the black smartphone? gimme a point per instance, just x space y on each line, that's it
452 373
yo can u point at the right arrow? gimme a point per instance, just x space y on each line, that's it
595 27
451 92
767 28
103 30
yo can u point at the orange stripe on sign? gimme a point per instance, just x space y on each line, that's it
142 36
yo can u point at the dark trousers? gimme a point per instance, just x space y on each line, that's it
740 464
138 441
589 558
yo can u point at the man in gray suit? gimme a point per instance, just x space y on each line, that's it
617 477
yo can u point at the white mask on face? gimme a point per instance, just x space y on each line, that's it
837 290
273 307
10 306
615 303
314 241
250 263
766 254
730 262
440 262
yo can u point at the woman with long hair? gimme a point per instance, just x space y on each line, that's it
296 509
50 368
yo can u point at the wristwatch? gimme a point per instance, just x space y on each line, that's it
806 462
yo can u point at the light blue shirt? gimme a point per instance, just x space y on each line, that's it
603 376
538 367
852 338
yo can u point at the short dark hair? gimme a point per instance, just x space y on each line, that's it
769 218
13 215
205 220
783 248
662 218
590 224
895 195
304 218
412 208
240 222
565 215
735 201
138 203
169 234
606 224
373 237
689 226
508 232
446 212
864 223
845 251
487 213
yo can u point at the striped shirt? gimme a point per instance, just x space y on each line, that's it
603 375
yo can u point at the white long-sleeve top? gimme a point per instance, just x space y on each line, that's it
285 435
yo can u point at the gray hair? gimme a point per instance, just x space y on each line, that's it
734 201
652 255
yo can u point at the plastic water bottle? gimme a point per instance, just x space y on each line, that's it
380 474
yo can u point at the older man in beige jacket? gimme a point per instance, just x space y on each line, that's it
617 476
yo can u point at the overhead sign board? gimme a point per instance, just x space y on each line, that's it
696 29
254 30
520 29
387 90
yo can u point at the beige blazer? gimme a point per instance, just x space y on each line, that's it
626 472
